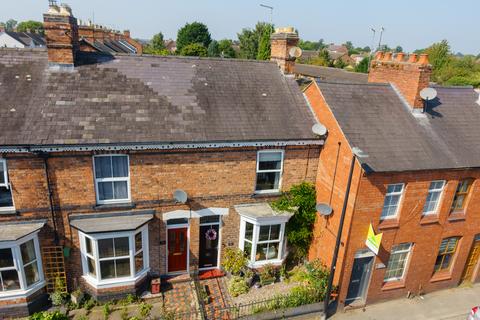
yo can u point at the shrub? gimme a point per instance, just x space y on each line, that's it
234 261
59 295
106 310
124 313
268 274
129 299
57 315
145 309
89 304
237 286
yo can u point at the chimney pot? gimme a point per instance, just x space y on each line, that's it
423 59
379 55
388 56
400 56
412 58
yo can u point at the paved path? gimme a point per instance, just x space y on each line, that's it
449 304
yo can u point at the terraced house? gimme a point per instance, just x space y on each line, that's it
416 181
93 147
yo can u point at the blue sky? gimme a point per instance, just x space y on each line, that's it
410 23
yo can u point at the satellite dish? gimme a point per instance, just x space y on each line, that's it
180 196
324 209
319 129
428 94
295 52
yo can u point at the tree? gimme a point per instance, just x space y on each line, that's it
366 49
439 54
10 25
213 49
363 65
158 42
264 43
398 49
323 59
250 40
193 33
226 48
194 49
311 45
349 45
31 26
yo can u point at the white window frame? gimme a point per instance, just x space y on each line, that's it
6 184
439 199
407 260
400 199
282 152
113 179
96 281
256 232
24 290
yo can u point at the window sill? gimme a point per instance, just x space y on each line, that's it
429 219
457 216
389 224
260 264
441 276
121 205
393 284
112 283
266 194
9 211
15 294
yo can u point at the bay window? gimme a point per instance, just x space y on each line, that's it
112 178
269 171
114 257
6 199
20 267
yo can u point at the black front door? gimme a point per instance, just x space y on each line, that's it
209 246
362 267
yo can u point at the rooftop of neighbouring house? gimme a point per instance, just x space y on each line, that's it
329 74
147 99
375 119
28 39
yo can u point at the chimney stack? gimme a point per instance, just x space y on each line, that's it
61 34
409 77
282 40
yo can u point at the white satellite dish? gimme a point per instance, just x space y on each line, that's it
295 52
180 196
324 209
428 94
319 129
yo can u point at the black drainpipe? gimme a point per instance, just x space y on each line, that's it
44 156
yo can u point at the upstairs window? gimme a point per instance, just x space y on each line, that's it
433 198
461 195
112 178
6 199
447 250
392 201
397 263
269 171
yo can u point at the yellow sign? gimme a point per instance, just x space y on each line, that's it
373 240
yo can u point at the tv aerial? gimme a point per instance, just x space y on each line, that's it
180 196
324 209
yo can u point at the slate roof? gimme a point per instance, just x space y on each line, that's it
27 38
146 99
14 231
375 119
330 74
258 211
108 222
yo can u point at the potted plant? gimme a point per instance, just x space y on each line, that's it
249 276
234 261
267 274
76 296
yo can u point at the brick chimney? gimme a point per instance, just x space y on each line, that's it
282 40
61 34
408 76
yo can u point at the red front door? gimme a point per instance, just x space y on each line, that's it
177 250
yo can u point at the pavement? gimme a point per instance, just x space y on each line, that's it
449 304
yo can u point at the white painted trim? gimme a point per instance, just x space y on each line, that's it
3 163
282 152
405 267
439 200
178 226
98 180
179 214
15 294
120 282
399 204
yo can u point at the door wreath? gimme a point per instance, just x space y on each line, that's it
211 234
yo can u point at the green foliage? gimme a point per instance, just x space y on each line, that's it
226 48
145 309
398 49
301 200
193 33
106 311
237 286
129 299
363 65
323 59
9 25
31 26
340 64
349 45
250 40
194 50
264 43
440 56
158 42
234 261
56 315
268 274
312 45
89 304
124 313
58 296
213 49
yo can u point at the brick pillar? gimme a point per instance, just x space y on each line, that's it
61 34
281 42
194 243
410 76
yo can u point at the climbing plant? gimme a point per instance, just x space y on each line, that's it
300 200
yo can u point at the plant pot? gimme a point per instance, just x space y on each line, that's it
267 281
76 297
